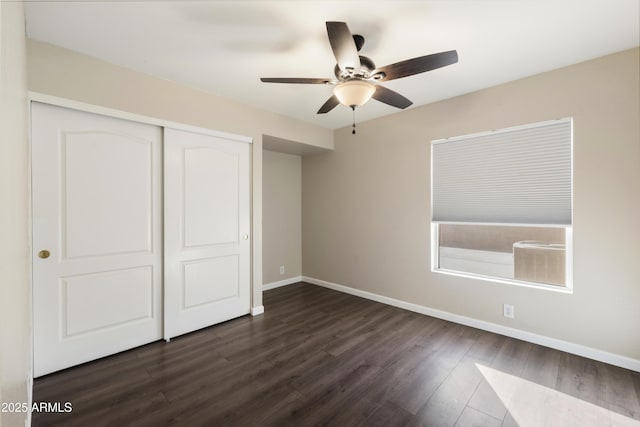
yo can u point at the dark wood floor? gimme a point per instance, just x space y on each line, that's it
319 357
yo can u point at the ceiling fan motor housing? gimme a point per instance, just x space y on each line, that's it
367 66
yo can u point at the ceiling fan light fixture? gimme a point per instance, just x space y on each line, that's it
354 92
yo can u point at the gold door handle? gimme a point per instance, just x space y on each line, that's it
44 254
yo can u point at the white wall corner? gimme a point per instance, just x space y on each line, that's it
257 310
577 349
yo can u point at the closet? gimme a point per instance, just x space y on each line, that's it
140 232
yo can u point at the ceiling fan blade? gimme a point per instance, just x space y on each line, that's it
301 80
418 65
343 46
329 105
390 97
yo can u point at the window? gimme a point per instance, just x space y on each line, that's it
502 204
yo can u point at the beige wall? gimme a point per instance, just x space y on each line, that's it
366 205
281 216
15 319
64 73
60 72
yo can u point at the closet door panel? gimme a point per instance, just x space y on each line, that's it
214 219
96 188
206 230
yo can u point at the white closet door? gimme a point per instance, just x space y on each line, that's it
206 231
97 211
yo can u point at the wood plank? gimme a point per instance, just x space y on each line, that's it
387 415
472 418
485 399
413 392
542 365
616 387
486 346
321 357
577 377
636 383
512 356
446 405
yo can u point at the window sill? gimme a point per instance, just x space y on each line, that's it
512 282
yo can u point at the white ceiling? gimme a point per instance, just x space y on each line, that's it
224 47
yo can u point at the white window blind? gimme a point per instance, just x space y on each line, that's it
518 175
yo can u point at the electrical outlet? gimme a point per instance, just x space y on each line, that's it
282 269
508 311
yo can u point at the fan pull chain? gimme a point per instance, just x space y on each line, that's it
353 108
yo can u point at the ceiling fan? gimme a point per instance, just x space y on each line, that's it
355 74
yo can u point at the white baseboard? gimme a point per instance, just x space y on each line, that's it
578 349
257 310
285 282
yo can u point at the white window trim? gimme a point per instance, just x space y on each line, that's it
566 289
435 249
